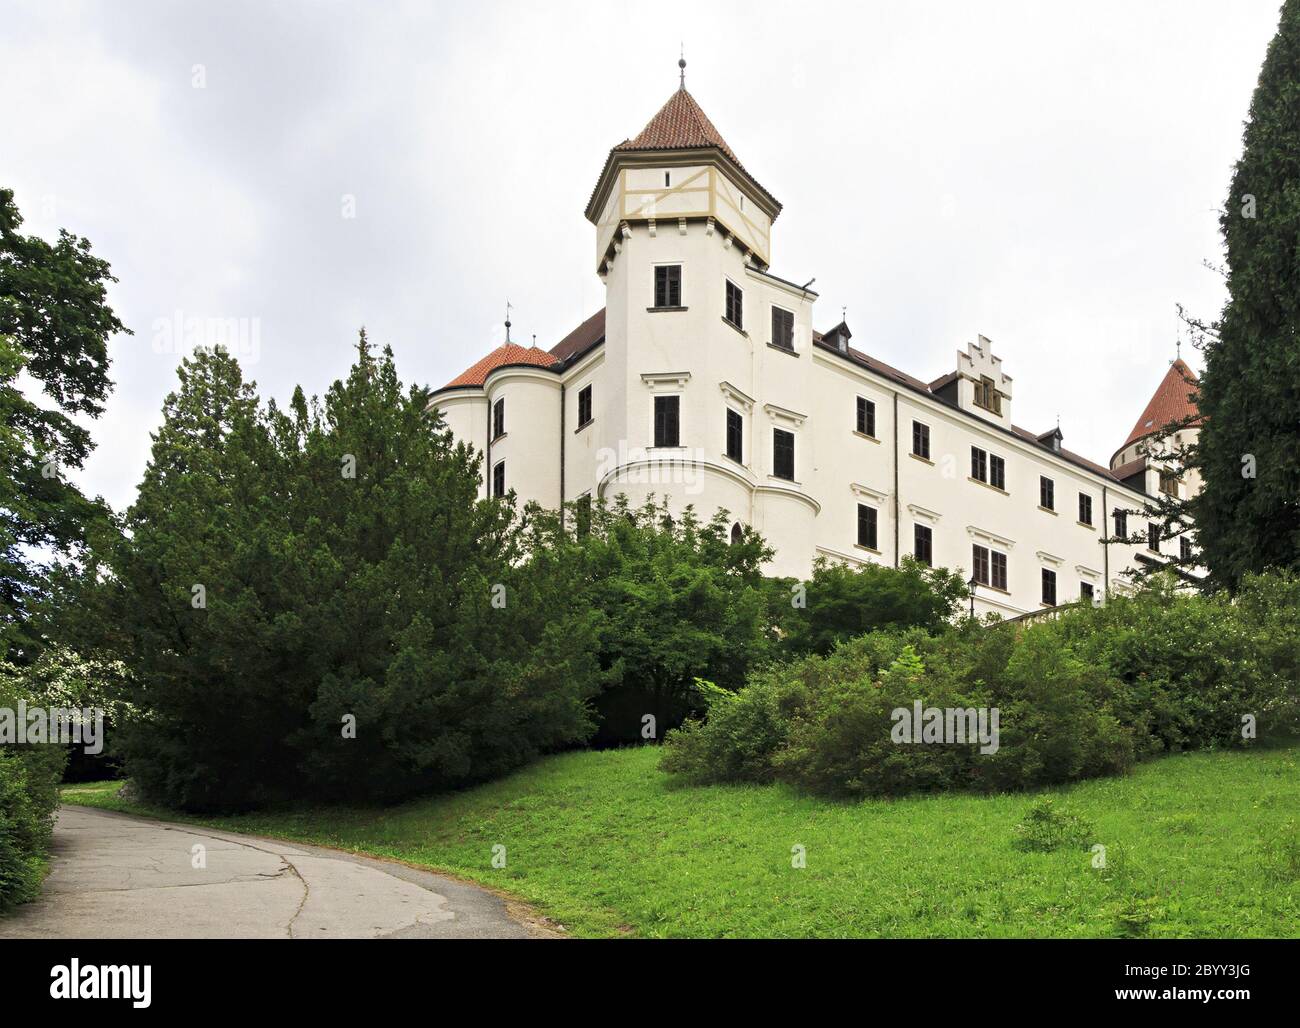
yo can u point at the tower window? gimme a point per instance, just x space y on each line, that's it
1121 524
584 406
783 454
499 479
1153 536
668 285
867 526
923 544
737 534
735 312
1046 493
866 423
499 418
667 183
979 464
735 429
1085 509
668 420
782 328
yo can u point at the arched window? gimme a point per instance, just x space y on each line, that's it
736 533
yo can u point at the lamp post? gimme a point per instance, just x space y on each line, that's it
972 583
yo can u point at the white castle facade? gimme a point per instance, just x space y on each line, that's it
704 381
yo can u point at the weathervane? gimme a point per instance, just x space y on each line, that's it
507 321
681 64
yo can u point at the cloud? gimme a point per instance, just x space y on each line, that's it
1015 169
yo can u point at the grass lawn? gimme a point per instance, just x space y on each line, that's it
1199 845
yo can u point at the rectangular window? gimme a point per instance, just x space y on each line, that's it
987 396
735 305
997 472
1184 547
1121 524
980 564
499 418
1085 591
667 420
668 285
1046 493
867 526
1049 587
923 544
979 464
499 479
1153 536
866 422
998 570
1085 509
1168 483
783 454
782 328
735 428
921 440
584 405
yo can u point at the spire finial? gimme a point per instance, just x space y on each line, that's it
681 64
507 321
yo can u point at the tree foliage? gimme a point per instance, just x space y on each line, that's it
1248 514
307 599
55 323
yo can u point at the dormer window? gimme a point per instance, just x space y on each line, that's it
987 395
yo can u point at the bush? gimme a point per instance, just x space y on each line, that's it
1046 828
1086 695
29 795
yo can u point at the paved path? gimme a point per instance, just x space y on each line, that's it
114 876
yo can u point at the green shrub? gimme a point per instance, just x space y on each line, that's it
742 733
1046 828
1086 695
29 795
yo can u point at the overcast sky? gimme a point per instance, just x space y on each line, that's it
1047 174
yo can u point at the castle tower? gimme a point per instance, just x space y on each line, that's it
1144 459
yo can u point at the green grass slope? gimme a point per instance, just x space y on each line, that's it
1200 845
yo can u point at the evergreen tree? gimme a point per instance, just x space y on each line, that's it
55 323
316 602
196 605
1248 514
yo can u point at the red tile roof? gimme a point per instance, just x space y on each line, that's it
680 125
507 353
1174 400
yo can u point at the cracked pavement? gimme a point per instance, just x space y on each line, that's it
115 876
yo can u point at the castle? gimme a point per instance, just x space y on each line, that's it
704 381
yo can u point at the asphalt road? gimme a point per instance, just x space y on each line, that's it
119 877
